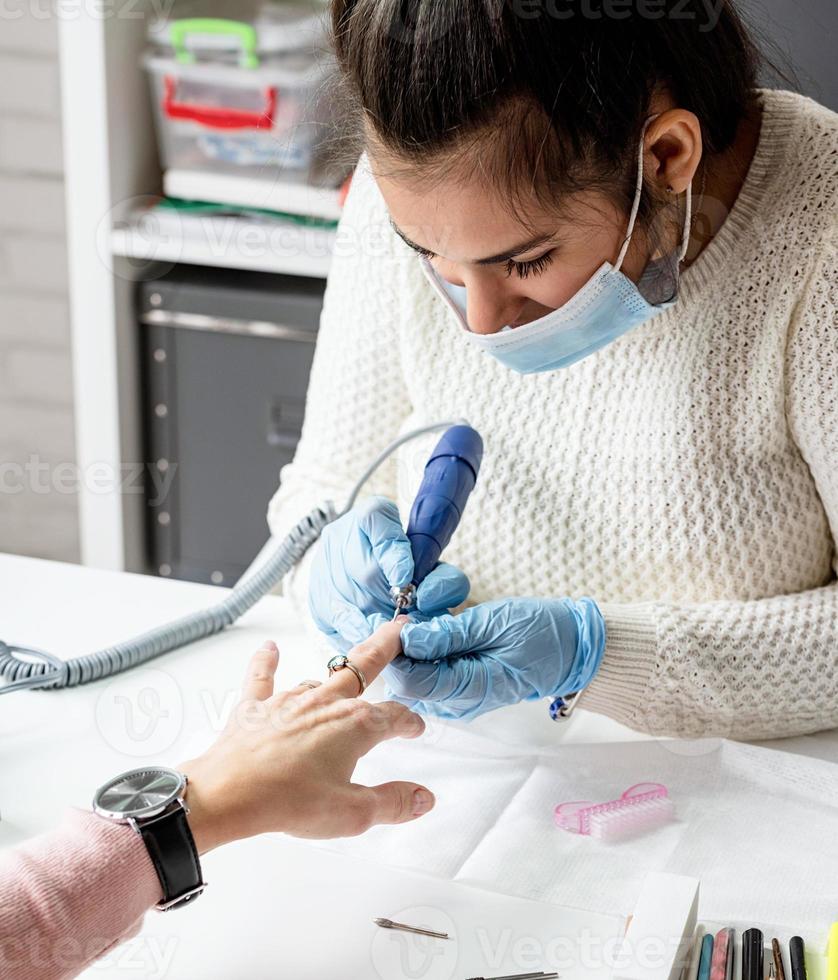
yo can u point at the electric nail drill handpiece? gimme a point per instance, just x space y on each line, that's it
450 476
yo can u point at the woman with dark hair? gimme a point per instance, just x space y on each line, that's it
584 228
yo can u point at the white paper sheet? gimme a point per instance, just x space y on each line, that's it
758 827
309 916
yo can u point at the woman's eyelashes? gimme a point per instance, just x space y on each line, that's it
531 267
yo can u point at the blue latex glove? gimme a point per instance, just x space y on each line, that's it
497 653
358 559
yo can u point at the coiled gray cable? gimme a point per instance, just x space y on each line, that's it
50 672
43 670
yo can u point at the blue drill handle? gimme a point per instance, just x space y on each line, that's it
450 475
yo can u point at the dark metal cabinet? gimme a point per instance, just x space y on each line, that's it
226 358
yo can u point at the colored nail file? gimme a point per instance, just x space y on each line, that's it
753 955
718 964
797 955
832 953
706 957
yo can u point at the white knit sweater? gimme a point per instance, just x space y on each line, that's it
685 477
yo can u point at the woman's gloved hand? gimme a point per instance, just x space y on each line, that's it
360 557
497 653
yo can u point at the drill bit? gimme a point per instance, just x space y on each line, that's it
403 598
521 976
389 924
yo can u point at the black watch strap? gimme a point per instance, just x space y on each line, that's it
172 850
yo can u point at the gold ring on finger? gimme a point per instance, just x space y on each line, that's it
342 662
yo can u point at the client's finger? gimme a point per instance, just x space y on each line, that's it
306 686
369 657
364 724
396 802
259 676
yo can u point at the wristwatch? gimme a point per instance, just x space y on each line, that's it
151 801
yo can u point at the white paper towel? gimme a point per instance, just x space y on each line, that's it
758 827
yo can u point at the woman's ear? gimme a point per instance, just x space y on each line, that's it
674 141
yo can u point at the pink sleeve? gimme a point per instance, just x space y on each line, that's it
68 896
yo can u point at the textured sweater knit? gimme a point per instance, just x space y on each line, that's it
685 476
70 896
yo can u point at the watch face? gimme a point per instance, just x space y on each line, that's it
139 793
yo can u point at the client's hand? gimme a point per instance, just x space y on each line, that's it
285 761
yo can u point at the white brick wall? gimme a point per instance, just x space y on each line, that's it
37 503
30 146
28 27
32 204
28 85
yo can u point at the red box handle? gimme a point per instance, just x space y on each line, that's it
218 117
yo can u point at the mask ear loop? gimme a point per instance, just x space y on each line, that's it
635 208
688 220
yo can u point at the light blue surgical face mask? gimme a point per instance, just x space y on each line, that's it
606 307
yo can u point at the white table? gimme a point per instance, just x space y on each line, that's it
276 907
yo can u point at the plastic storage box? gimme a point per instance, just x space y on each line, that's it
239 97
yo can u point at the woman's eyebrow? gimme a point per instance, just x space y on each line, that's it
489 260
